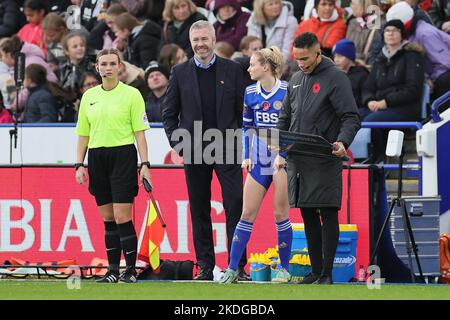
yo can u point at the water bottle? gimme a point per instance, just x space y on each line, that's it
361 274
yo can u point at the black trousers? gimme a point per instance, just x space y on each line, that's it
198 180
322 237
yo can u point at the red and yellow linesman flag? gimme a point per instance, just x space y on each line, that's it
154 232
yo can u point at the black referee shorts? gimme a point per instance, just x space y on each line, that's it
113 174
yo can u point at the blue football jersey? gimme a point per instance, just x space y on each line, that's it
261 110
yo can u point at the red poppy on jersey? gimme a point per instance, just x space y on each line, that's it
266 105
316 87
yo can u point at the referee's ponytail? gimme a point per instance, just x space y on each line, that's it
274 58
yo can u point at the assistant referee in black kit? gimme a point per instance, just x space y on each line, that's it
111 116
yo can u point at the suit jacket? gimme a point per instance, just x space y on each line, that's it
182 105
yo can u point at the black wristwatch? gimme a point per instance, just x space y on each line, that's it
145 163
77 165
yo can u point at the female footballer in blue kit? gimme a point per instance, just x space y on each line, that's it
262 103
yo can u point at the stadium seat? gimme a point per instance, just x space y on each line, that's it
360 145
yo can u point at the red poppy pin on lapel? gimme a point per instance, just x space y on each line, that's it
316 88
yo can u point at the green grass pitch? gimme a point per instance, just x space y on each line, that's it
149 290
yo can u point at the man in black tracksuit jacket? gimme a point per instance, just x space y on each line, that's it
319 101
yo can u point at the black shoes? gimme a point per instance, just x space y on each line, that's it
205 274
242 275
324 279
109 277
313 278
310 278
128 276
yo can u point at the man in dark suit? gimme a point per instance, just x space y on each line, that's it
207 92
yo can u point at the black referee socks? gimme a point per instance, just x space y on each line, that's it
113 248
128 240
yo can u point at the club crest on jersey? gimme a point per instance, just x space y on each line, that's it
277 105
266 105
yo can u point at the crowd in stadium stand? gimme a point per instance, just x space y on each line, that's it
391 50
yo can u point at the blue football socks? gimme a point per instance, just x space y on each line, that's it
239 242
